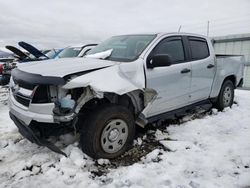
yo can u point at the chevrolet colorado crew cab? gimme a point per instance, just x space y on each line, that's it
125 81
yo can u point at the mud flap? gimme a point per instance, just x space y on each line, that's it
29 134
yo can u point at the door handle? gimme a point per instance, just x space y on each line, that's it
185 71
210 66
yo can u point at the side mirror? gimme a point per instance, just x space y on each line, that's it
159 60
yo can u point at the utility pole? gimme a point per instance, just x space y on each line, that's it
207 28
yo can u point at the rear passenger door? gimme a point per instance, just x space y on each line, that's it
172 83
203 69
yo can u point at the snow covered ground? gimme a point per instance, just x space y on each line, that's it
212 151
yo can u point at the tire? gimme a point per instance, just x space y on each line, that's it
226 95
107 132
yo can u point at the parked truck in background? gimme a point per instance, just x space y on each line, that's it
125 81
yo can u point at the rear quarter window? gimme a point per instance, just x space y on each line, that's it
199 48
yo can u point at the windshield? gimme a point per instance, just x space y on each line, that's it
123 48
52 53
69 52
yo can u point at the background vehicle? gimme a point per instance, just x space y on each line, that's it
19 57
4 57
38 55
75 51
8 65
33 51
125 81
51 54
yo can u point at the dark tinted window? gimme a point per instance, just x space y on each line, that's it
199 48
174 48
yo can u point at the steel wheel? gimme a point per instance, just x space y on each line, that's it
114 136
108 132
227 96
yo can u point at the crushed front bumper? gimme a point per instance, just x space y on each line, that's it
33 136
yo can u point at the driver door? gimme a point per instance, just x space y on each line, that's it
173 82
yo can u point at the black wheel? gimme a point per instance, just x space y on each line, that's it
107 132
226 95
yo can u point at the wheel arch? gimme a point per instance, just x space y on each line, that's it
134 100
231 78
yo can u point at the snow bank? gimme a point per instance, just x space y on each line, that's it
213 151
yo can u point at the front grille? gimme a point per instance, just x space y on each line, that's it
22 100
41 93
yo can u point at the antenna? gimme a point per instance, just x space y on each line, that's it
207 28
179 30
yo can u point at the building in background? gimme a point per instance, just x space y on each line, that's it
235 45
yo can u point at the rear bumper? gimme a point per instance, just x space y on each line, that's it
33 135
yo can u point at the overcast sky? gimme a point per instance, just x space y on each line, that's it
58 23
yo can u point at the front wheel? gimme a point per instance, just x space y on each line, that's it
226 95
108 131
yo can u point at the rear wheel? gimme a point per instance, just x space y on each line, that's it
108 131
226 95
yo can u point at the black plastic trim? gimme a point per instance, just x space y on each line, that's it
35 79
187 48
181 111
33 137
227 55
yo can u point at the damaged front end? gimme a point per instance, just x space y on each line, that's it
34 135
41 109
68 107
64 116
44 106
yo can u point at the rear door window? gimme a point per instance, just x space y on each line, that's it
199 48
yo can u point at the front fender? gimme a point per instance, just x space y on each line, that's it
113 79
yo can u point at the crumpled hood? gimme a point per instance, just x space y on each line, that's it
64 66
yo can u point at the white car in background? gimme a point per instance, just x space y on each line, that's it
75 51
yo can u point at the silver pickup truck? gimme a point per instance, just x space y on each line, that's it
125 81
